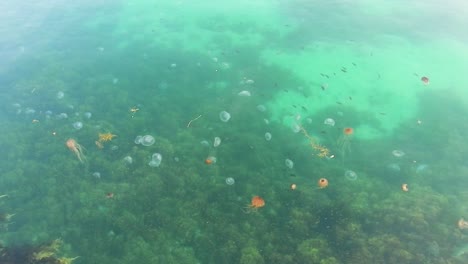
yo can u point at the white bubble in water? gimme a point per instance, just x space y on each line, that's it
60 95
230 181
244 94
224 116
147 140
398 153
350 175
267 136
261 108
329 122
77 125
217 141
289 163
128 160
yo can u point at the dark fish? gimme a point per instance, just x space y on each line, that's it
340 103
354 64
286 91
350 98
294 106
382 113
303 107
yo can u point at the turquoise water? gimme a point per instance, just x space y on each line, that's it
169 68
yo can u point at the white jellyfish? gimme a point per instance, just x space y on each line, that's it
77 125
398 153
224 116
267 136
147 140
217 141
244 93
289 163
230 181
350 175
329 122
261 108
155 161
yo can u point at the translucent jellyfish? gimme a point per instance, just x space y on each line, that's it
289 163
394 167
249 81
398 153
309 120
224 116
128 160
147 140
216 142
267 122
97 175
59 95
156 159
244 93
261 108
115 80
350 175
210 160
77 125
295 127
329 122
205 143
230 181
344 141
421 168
62 116
138 139
87 114
267 136
29 111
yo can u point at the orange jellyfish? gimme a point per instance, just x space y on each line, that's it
322 183
76 148
255 203
344 141
404 187
425 80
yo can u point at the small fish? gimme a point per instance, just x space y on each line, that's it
340 103
286 91
354 64
343 69
350 98
294 106
303 107
382 113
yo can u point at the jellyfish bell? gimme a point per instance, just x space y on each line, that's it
77 125
230 181
138 140
244 93
267 136
224 116
329 122
289 163
210 160
398 153
147 140
216 142
425 80
293 186
256 203
350 175
322 183
128 160
348 131
404 187
462 224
